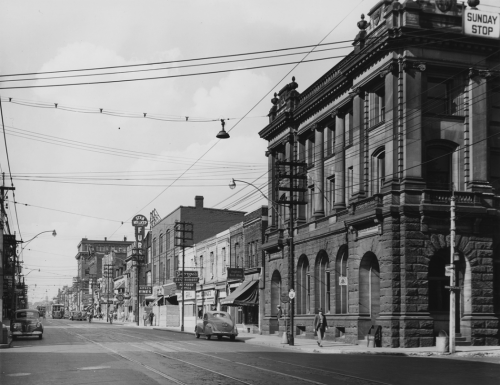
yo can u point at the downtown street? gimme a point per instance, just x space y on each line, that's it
100 353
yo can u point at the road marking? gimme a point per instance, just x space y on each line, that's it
95 368
18 374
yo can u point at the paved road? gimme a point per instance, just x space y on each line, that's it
76 352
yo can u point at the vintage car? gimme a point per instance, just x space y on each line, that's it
26 322
216 323
78 315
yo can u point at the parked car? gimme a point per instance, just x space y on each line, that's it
216 323
26 322
78 316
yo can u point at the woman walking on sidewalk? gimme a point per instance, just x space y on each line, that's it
320 326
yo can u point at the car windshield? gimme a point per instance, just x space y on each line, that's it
219 315
27 314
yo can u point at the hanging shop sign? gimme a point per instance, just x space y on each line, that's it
143 289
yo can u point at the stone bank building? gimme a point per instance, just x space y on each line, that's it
408 118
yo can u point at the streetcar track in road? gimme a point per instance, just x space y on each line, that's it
160 373
180 349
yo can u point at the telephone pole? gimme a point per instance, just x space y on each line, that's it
183 233
291 184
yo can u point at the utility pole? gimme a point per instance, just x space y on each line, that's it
452 275
108 270
183 233
3 197
292 187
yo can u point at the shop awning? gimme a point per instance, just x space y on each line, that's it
247 294
158 302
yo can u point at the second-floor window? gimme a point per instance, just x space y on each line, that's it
161 243
167 236
350 184
154 247
223 260
330 192
378 170
376 105
202 273
149 254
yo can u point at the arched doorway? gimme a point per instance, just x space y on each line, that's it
439 295
303 300
369 287
341 279
322 282
275 300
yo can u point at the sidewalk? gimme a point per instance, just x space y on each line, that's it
331 347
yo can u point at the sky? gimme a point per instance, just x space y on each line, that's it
86 173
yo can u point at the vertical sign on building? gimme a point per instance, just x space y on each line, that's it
139 222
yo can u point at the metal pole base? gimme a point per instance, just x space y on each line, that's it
182 328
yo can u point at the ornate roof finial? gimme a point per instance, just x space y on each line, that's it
362 24
473 3
275 100
293 84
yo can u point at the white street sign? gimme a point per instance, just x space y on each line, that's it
482 23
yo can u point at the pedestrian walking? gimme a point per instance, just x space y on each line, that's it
320 326
151 317
145 317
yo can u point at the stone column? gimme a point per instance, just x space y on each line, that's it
478 122
412 125
271 191
339 161
358 119
319 183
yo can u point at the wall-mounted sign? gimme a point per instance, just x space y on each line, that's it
191 286
482 23
234 273
342 281
145 289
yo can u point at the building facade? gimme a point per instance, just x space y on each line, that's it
382 142
167 257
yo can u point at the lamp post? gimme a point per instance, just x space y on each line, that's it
19 267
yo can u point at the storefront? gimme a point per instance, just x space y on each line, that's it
244 300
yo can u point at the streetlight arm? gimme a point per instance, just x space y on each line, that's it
232 185
43 232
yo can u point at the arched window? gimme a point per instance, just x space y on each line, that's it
275 292
369 286
342 288
303 286
322 282
442 166
378 170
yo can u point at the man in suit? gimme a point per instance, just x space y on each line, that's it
320 326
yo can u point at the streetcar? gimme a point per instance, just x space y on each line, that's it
57 311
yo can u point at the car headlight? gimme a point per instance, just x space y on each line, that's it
38 324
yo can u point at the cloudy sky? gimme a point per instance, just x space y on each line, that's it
83 172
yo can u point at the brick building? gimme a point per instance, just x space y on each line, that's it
410 115
166 256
